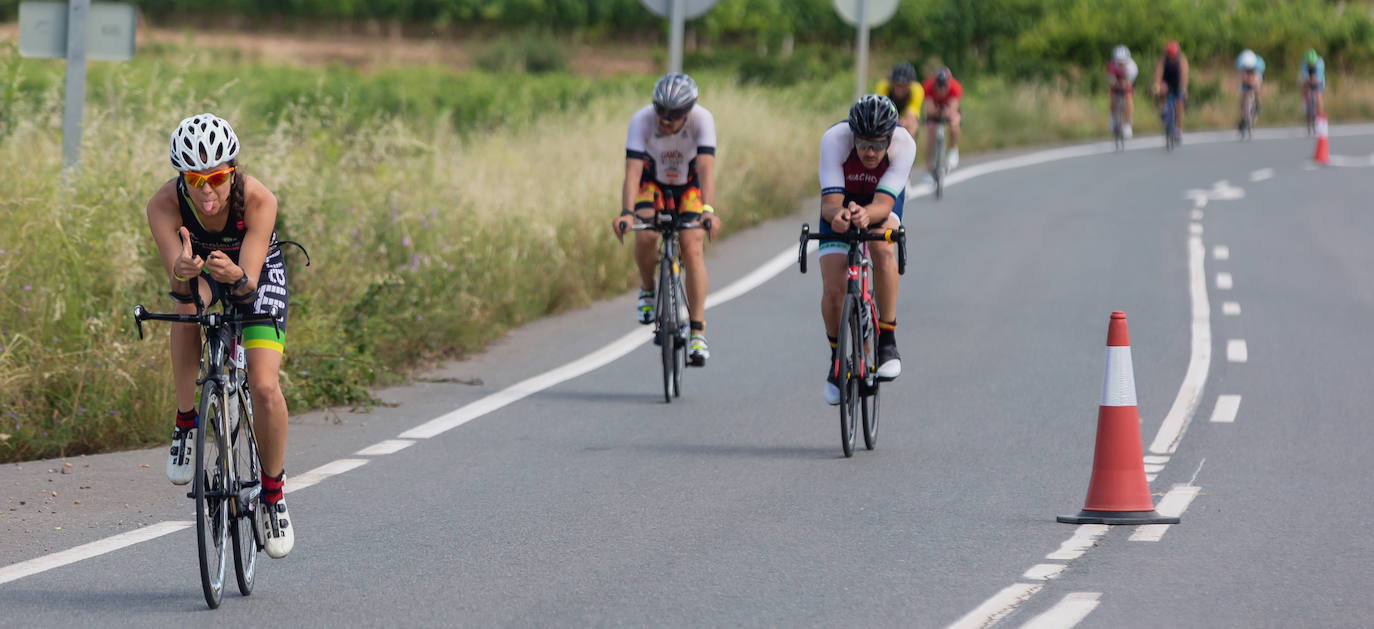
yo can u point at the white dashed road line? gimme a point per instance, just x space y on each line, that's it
390 446
1236 351
1084 538
1044 571
313 477
1173 504
1068 612
1230 308
1221 252
1262 174
1224 281
1225 410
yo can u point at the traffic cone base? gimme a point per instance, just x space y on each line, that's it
1118 517
1321 155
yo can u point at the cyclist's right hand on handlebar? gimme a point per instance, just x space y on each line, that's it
621 225
187 264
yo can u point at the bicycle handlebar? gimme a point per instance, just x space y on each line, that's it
141 314
853 236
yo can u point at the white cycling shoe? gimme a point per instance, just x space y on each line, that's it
953 158
644 308
832 390
276 527
1126 131
182 457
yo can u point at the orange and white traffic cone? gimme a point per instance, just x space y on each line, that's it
1320 156
1118 492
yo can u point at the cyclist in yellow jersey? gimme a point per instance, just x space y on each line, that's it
906 93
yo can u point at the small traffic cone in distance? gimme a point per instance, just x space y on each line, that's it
1118 492
1321 155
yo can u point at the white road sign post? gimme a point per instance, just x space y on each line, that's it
864 14
77 30
677 12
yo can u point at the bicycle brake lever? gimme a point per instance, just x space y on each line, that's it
801 247
902 250
138 320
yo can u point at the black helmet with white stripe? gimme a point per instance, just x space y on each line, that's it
873 116
202 142
675 92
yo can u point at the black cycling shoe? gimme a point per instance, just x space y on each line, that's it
889 362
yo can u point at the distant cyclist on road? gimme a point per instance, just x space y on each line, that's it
1312 77
670 157
863 171
1121 73
1171 80
1251 69
942 100
217 223
907 94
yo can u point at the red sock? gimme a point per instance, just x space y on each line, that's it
186 420
271 487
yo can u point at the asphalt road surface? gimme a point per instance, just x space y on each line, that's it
578 498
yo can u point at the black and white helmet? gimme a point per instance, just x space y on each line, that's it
873 116
202 142
675 92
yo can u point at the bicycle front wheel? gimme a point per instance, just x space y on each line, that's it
850 345
667 328
212 513
683 335
245 531
868 385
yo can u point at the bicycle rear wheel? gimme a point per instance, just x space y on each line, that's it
667 329
212 523
938 171
849 353
245 531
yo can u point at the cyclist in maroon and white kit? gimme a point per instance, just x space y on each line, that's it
863 172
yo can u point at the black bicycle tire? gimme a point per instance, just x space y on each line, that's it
210 404
667 328
847 384
870 387
246 523
680 343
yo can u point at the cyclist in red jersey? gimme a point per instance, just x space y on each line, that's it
943 93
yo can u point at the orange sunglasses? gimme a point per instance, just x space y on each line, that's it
215 179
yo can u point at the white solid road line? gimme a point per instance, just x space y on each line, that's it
1236 351
1224 281
313 477
1068 612
86 551
390 446
1225 410
1221 252
997 607
1230 308
1044 571
1200 356
1262 174
1172 504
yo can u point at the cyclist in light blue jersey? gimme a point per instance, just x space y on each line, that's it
1251 69
1312 76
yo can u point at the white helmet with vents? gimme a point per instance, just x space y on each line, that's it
202 142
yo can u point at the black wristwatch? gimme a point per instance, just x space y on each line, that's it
243 281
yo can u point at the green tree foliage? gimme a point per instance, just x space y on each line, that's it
1017 37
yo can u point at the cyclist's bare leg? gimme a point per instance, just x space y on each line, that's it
269 408
953 117
834 272
885 273
1127 107
185 339
694 263
646 257
1321 103
1178 114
